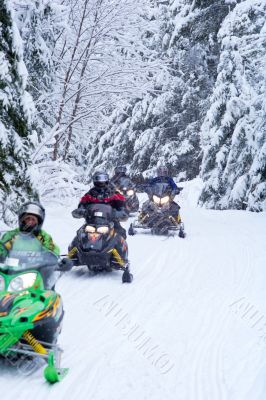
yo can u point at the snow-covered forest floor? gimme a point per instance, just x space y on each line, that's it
191 326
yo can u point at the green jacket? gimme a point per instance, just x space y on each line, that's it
43 237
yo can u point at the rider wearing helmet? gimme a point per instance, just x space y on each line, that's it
100 180
120 179
119 172
103 192
162 177
30 220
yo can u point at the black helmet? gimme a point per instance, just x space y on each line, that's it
100 178
162 171
120 169
33 208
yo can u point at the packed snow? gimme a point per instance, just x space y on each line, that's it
191 325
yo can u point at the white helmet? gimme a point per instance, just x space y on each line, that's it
33 208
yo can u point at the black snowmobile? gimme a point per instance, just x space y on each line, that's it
126 187
97 243
159 214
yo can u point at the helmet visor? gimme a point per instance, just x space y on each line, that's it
33 209
101 177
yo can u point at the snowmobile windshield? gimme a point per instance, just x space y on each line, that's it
27 253
104 211
161 189
125 183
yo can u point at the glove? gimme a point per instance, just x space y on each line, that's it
65 264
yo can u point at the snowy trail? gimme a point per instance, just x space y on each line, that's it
191 326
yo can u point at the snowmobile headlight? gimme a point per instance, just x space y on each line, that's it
90 229
22 282
2 283
156 199
103 229
130 192
165 200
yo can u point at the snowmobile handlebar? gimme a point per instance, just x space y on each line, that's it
177 191
79 213
121 215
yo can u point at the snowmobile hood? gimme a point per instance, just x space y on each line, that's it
21 312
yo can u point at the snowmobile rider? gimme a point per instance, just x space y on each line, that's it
30 220
103 192
120 175
144 185
162 177
119 172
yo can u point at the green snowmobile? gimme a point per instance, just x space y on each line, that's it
31 312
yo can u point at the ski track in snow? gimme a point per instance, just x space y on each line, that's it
183 299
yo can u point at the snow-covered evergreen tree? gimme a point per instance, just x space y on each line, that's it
234 131
40 23
16 108
164 126
100 63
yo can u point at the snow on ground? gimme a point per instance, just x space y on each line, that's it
191 326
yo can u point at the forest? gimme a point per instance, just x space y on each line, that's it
90 84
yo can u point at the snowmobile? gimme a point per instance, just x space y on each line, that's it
96 242
126 187
160 214
31 312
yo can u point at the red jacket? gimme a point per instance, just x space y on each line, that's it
116 200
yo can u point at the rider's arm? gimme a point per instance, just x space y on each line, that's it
175 188
118 201
86 199
3 251
173 185
6 242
